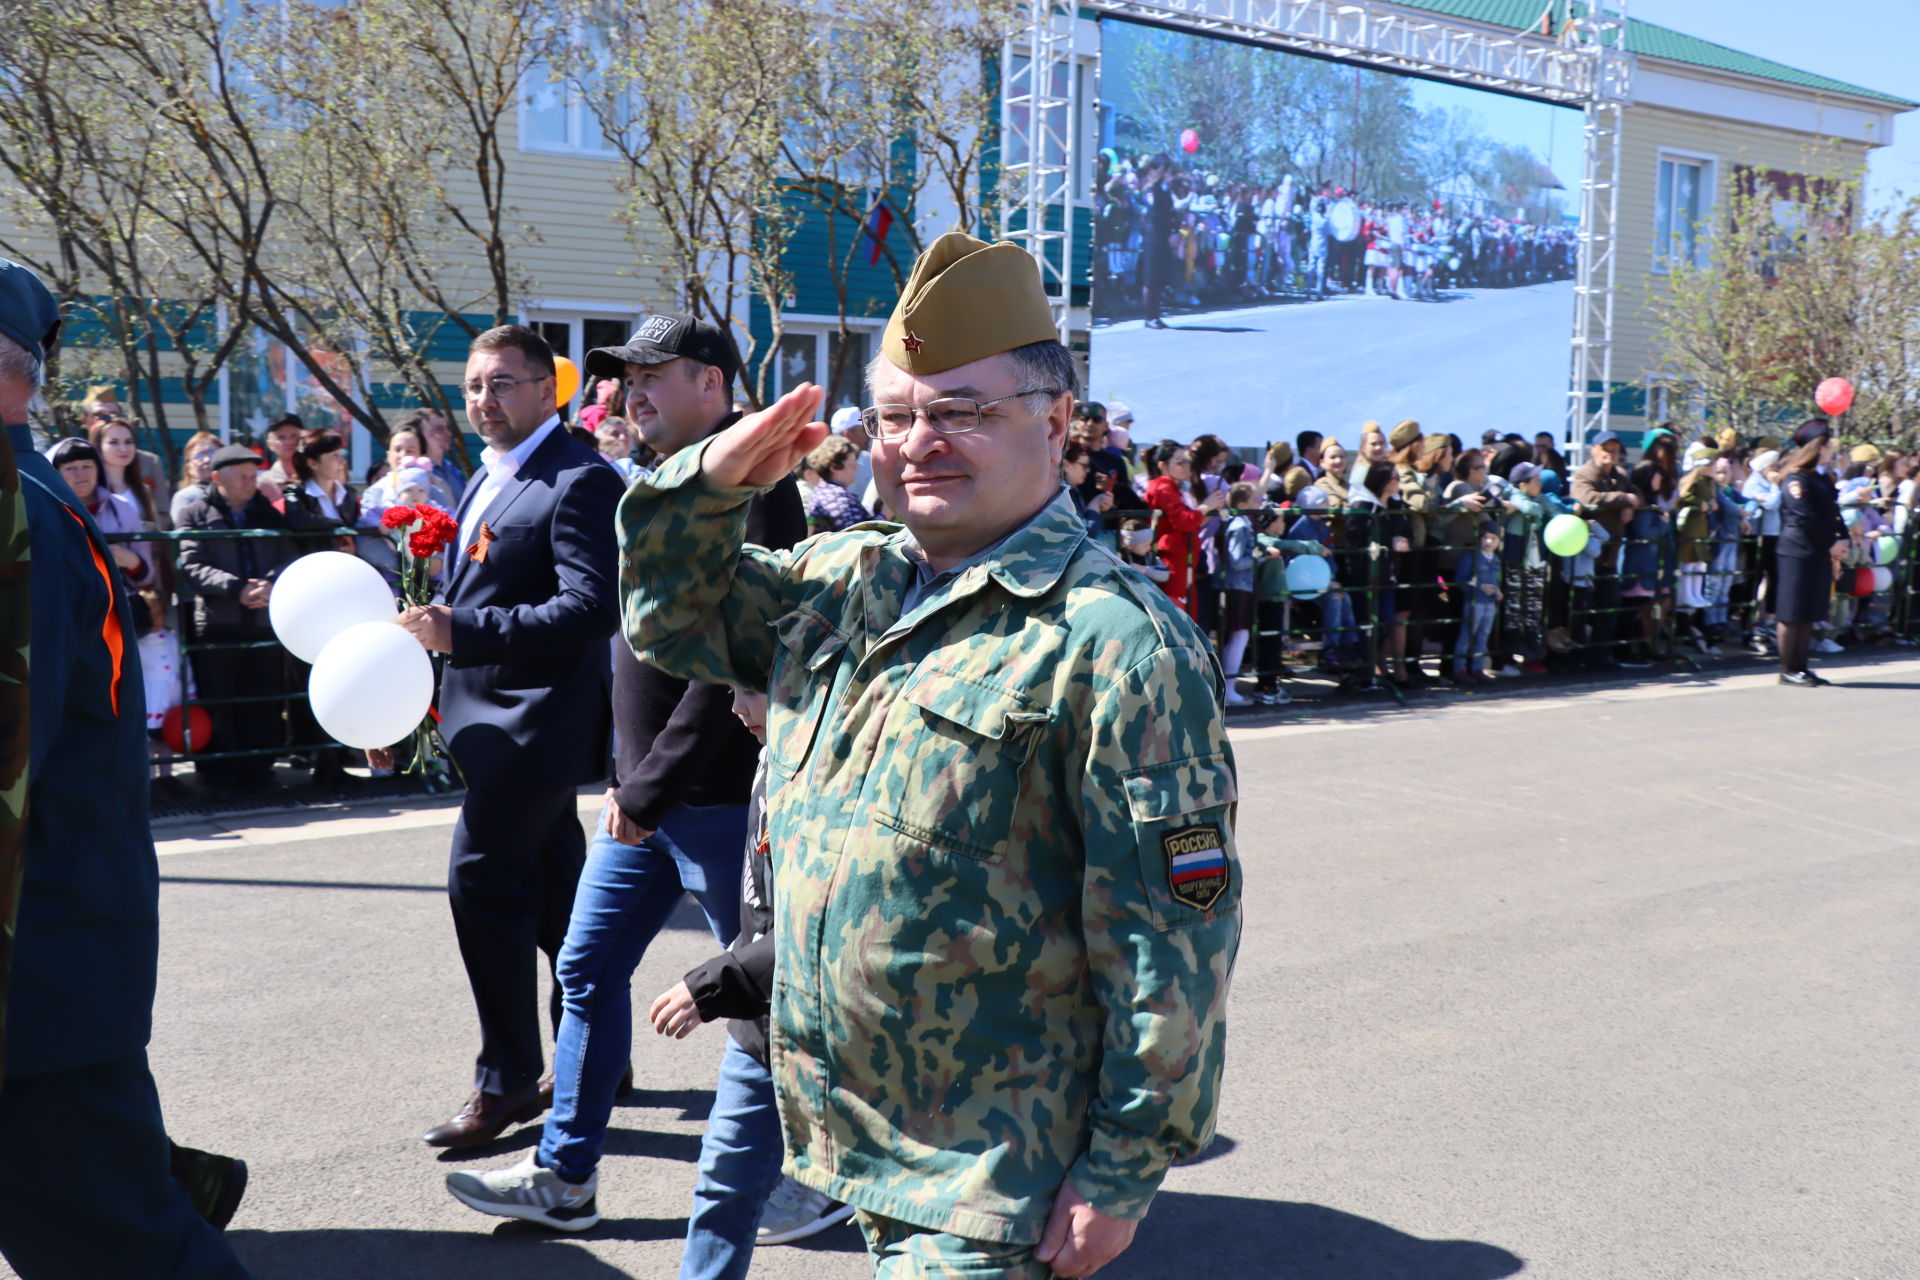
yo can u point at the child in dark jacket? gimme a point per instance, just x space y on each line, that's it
739 1197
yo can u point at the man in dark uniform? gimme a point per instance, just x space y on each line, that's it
84 1159
1813 539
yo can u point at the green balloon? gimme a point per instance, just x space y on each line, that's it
1566 535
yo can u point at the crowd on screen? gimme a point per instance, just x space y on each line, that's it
1165 235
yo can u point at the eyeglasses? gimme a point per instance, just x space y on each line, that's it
500 387
950 416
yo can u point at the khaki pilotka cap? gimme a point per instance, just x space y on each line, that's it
967 300
1404 434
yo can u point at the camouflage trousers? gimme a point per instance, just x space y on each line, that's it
902 1251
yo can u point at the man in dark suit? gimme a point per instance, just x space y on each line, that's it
675 821
90 1184
530 603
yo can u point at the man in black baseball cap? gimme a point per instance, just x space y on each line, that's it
677 372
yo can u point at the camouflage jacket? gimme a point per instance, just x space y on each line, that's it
1006 893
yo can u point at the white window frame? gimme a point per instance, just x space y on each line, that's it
1709 166
584 139
822 330
573 314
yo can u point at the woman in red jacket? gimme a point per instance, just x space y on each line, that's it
1172 469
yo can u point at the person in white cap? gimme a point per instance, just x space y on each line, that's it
846 423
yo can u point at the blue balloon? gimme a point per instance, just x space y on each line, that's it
1308 576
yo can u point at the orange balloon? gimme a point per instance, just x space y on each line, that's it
567 375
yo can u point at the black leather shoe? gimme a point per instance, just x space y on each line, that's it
485 1117
214 1183
1802 679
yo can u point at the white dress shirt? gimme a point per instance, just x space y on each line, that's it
500 468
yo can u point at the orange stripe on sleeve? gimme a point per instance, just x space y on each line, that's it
110 629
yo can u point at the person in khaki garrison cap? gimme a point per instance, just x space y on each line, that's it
1001 808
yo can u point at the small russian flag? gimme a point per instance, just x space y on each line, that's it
879 222
1198 865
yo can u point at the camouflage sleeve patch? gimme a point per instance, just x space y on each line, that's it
1160 910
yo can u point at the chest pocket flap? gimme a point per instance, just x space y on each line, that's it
961 775
986 710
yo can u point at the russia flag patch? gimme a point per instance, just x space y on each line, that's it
1196 865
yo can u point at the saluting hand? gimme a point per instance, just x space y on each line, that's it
762 447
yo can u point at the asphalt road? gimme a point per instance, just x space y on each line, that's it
1482 358
1584 986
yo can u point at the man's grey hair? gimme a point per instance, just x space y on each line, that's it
18 362
1040 366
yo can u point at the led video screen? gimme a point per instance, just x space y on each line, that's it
1285 243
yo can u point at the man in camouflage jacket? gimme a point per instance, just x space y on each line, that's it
1006 887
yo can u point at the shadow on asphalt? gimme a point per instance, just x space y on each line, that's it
693 1104
507 1253
302 884
1200 1236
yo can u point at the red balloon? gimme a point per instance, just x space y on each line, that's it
173 729
1863 581
1189 141
1834 396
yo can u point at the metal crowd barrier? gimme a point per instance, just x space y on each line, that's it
1575 614
299 735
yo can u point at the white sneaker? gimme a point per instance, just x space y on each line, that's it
795 1212
531 1192
1509 672
1826 645
1274 697
1235 698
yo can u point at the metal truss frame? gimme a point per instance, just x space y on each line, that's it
1584 62
1039 100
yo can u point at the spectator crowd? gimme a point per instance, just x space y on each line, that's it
1435 548
212 592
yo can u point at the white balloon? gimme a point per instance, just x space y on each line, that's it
320 595
371 685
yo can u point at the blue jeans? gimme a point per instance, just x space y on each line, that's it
626 894
1336 622
1476 629
739 1168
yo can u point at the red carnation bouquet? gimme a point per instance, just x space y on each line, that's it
421 533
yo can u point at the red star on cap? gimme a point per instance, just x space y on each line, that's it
912 342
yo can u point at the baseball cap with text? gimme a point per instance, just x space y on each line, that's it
668 336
